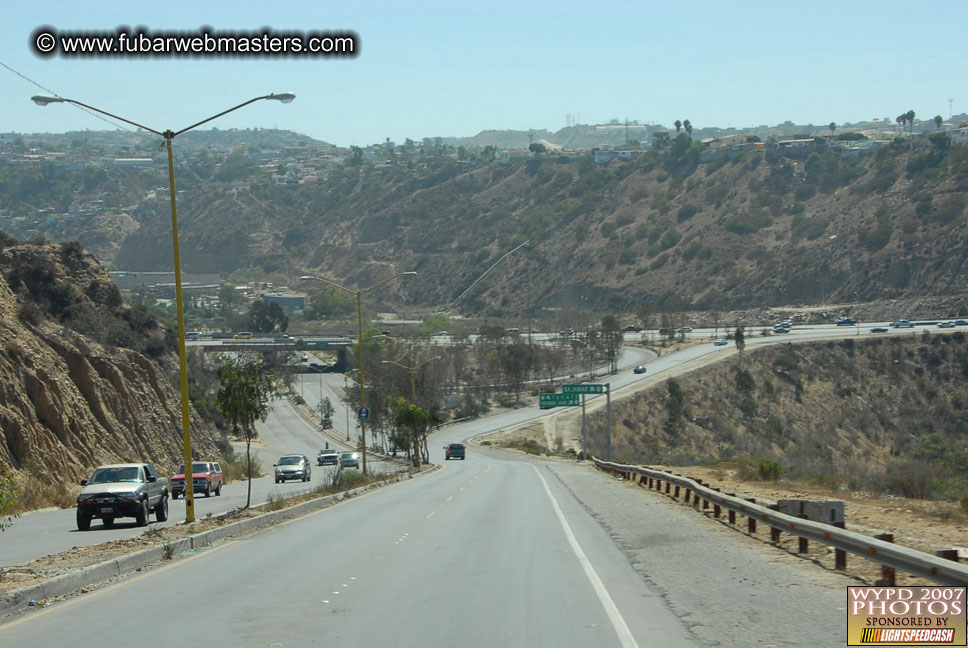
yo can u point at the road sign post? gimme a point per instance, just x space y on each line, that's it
593 389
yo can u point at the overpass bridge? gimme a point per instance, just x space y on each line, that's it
340 344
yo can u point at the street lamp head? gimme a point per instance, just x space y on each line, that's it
411 272
43 100
306 278
284 97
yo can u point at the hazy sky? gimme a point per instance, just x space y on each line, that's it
454 69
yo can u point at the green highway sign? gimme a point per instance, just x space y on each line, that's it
557 400
583 389
320 345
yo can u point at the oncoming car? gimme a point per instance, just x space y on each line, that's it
349 459
639 369
293 467
243 335
720 342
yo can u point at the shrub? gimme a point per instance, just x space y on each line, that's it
768 470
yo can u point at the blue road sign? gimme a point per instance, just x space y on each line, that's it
363 414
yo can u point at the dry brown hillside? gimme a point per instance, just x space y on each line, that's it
84 378
882 414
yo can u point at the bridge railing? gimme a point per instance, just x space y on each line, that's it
940 570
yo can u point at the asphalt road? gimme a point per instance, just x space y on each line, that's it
42 533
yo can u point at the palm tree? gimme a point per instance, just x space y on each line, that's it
901 119
938 121
678 126
688 127
832 128
910 120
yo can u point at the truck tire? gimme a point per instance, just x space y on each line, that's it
161 511
107 521
83 521
218 491
208 491
174 495
142 513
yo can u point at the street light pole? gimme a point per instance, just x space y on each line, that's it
169 135
359 340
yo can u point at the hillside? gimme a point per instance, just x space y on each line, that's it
86 379
751 229
741 229
846 412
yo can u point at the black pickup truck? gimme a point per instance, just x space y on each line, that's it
122 490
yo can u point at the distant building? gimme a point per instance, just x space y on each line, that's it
288 302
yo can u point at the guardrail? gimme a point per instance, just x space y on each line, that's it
940 570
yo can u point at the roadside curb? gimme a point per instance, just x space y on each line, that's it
20 598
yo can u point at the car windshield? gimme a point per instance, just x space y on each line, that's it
109 475
289 461
347 454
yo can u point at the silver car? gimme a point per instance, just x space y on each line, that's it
293 467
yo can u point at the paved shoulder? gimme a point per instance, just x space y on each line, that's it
728 589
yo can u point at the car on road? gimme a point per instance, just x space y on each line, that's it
349 459
902 324
454 451
122 490
846 321
639 369
566 332
946 324
786 324
631 328
327 458
684 329
206 478
879 329
293 467
243 335
781 329
720 342
961 322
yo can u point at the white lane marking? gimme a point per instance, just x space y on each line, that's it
461 488
449 498
433 513
618 622
352 577
335 592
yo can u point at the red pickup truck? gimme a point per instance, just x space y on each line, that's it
206 478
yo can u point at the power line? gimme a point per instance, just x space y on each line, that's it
90 112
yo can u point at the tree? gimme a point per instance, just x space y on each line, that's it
8 498
228 297
688 126
938 121
739 338
325 409
832 127
266 318
660 140
244 394
678 126
612 339
910 120
537 148
413 422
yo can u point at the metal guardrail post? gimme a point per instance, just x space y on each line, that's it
774 531
750 520
888 575
668 486
676 494
802 546
947 554
716 510
732 513
840 556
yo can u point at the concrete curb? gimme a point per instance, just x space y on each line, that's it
64 584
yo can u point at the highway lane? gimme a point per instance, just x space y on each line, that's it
41 533
475 554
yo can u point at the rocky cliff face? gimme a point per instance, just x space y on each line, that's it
84 378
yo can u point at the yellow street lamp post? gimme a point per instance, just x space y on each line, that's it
169 135
359 340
